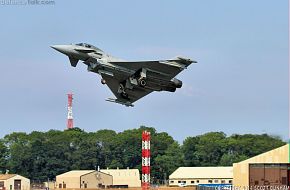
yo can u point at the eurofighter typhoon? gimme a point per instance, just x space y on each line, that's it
128 80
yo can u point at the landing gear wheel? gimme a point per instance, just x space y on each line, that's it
122 92
124 95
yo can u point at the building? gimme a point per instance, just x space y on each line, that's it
191 176
268 169
14 182
49 185
83 179
124 177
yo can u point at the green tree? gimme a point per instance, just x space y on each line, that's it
252 145
210 148
105 140
160 142
19 154
42 155
3 157
169 161
189 149
228 159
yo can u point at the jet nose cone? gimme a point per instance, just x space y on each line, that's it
61 48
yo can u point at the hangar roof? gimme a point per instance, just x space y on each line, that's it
202 173
121 173
75 173
130 177
6 176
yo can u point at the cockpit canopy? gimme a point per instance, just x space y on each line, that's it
88 46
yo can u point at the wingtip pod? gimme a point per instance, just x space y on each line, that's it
184 59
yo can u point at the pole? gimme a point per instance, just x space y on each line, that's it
145 160
70 123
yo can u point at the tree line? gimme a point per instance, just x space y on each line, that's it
43 155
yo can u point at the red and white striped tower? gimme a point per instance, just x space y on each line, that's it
145 160
70 123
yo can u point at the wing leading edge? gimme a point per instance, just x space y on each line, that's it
168 68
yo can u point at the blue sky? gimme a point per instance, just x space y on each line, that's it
240 84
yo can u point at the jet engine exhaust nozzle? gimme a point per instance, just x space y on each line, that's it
178 83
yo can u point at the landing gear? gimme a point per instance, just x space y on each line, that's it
122 91
142 82
124 95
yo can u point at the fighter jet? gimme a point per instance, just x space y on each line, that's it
128 80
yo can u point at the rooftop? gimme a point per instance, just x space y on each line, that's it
75 173
6 176
131 174
202 172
